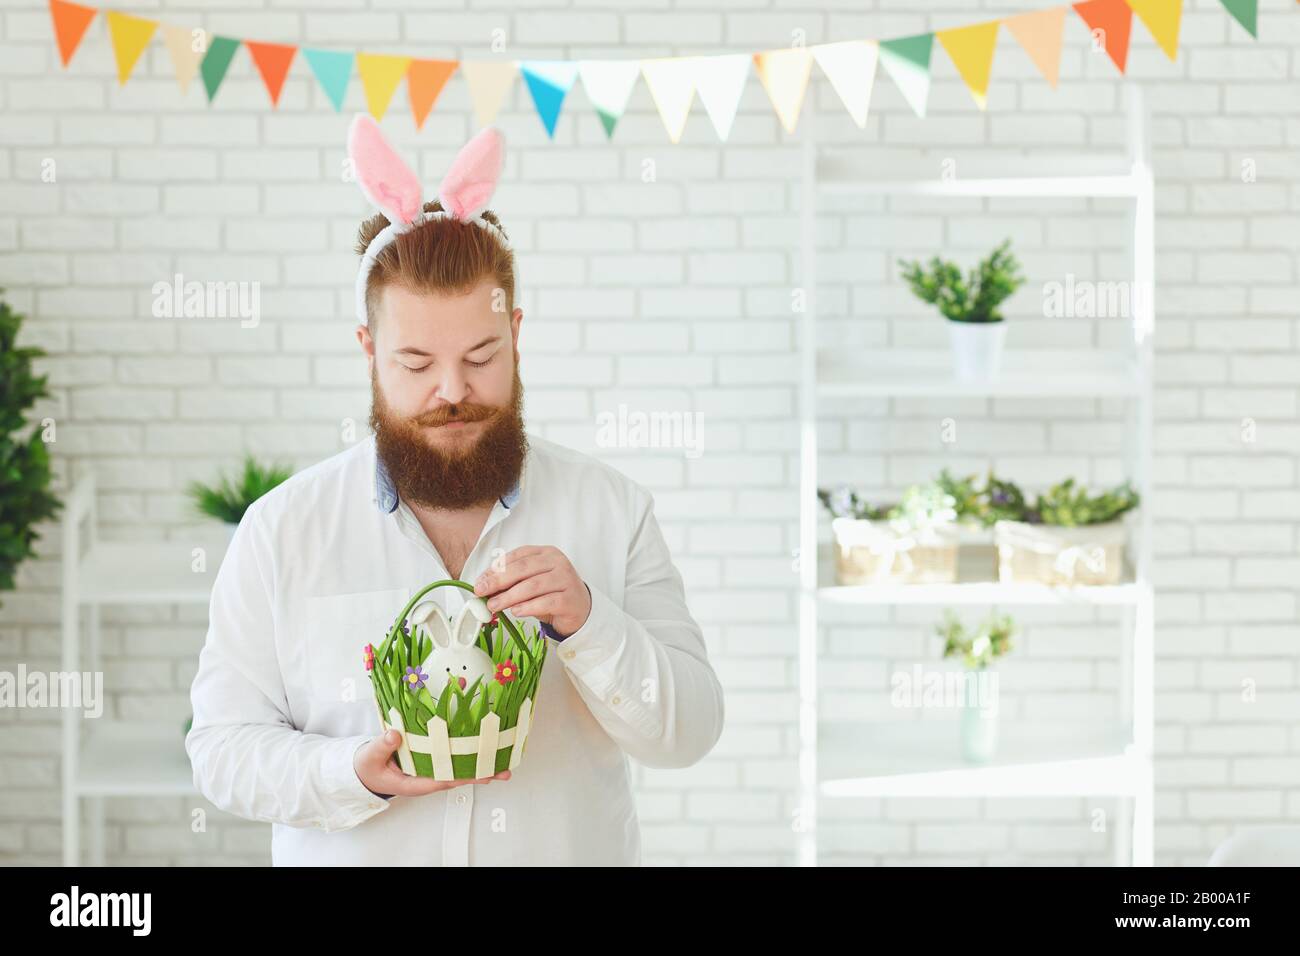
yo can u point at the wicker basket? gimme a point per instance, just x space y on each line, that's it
1053 555
874 552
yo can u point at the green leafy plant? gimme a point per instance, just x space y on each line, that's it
968 500
980 647
923 507
973 298
25 496
1003 500
843 502
228 500
1065 505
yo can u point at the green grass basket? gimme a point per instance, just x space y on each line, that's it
472 728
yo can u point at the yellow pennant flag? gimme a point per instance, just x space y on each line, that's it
380 77
488 81
850 65
1163 18
971 50
1040 34
784 73
671 82
130 35
187 47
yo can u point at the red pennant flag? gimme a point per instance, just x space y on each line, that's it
272 61
70 23
424 82
1114 18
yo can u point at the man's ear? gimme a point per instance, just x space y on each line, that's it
367 343
515 318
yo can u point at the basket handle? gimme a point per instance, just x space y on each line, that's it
453 582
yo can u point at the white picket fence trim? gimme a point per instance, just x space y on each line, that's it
441 746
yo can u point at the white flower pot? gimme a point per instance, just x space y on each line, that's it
874 552
976 349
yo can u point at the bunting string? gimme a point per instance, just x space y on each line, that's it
673 82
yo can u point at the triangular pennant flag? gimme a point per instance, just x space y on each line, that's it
333 70
720 80
549 81
1244 12
1040 34
488 81
671 82
971 49
1110 22
424 82
907 61
272 61
1162 18
608 85
380 76
130 35
213 68
784 74
187 46
851 67
70 23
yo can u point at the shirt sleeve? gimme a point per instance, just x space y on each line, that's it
247 756
643 668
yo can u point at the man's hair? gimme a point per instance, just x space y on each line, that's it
445 256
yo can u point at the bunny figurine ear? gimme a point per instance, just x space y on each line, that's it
384 178
465 630
474 174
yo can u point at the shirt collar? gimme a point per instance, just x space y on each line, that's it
386 492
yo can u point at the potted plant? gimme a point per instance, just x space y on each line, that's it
228 500
25 497
976 329
911 542
1068 536
977 650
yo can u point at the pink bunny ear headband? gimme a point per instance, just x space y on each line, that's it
391 185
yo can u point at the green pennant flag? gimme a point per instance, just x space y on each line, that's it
216 62
1243 11
907 61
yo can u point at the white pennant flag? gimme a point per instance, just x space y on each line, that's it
671 81
851 68
720 81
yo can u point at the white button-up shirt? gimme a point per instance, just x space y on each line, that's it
324 563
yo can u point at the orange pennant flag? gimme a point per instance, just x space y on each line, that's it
424 82
272 61
1110 22
70 23
130 35
1040 34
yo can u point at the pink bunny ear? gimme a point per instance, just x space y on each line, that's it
473 176
386 181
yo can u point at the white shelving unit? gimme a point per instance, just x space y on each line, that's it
103 757
921 758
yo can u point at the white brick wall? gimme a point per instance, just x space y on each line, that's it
675 295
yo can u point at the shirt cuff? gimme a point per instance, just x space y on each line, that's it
351 799
592 651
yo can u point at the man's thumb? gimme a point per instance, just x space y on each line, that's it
390 741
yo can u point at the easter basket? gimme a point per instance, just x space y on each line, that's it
462 694
1060 556
875 552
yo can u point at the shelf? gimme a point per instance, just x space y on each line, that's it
119 759
889 373
976 584
923 759
843 171
147 573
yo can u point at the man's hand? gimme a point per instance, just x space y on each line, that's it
539 582
381 775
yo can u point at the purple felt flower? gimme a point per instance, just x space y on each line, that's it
415 679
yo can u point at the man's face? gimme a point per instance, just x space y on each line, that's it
446 399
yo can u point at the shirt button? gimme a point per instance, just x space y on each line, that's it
568 655
460 798
616 699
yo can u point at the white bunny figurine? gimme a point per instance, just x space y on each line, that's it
454 654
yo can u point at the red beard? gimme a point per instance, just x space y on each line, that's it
466 471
